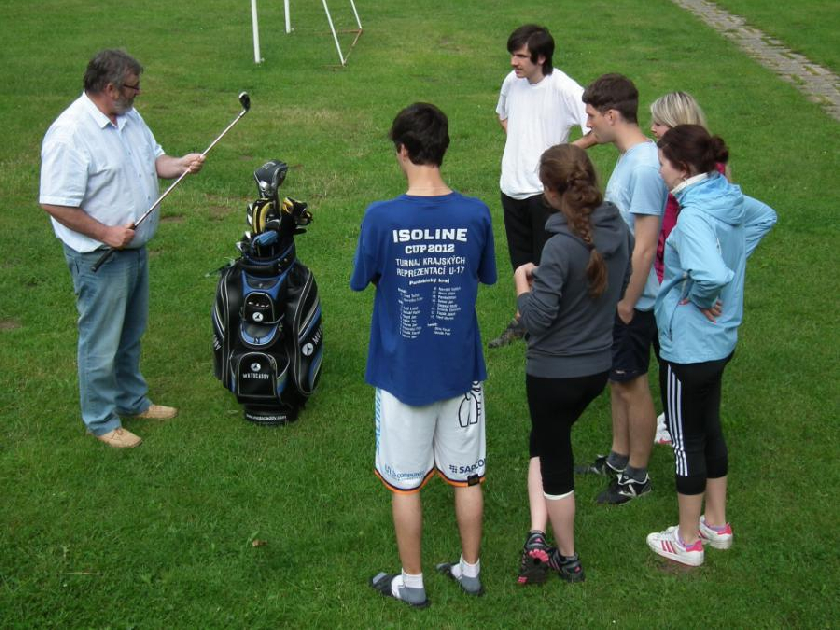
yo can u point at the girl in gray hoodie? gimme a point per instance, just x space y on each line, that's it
567 306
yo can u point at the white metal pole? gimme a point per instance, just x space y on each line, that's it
356 13
288 16
256 29
332 28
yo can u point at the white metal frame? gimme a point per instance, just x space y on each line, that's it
286 12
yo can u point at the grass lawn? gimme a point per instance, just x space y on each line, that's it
163 536
809 27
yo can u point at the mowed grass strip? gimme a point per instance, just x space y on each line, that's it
808 27
164 536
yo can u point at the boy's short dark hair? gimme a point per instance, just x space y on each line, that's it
539 42
424 131
614 91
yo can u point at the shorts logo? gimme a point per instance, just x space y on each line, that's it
466 470
307 349
257 317
470 410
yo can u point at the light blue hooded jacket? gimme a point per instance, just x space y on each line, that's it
705 258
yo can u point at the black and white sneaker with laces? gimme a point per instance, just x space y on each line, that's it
568 568
623 489
513 331
601 466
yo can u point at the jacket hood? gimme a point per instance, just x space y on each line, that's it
609 229
714 196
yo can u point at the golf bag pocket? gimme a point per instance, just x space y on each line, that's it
259 377
304 334
261 324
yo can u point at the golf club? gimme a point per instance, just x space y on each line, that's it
245 101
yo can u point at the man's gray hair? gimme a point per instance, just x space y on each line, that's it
109 66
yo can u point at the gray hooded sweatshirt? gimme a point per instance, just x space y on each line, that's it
569 333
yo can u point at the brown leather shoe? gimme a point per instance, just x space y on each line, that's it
157 412
120 438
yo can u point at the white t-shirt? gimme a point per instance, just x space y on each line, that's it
538 117
106 170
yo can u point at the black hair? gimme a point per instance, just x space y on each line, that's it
539 42
424 131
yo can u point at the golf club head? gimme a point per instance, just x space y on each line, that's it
245 101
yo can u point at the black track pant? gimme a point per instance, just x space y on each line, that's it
555 404
693 419
525 228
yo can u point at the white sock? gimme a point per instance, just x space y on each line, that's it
467 569
407 580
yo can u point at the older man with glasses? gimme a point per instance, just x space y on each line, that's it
100 165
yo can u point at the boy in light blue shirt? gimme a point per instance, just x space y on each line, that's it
612 103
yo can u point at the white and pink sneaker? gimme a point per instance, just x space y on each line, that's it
663 438
717 538
668 545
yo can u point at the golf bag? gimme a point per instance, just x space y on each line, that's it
267 336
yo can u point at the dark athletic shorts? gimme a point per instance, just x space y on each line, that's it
631 346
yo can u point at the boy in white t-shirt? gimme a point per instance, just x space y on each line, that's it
538 106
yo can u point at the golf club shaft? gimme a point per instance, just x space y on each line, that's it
110 251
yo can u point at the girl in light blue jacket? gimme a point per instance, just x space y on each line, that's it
698 311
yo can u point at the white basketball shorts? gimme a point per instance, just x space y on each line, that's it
447 437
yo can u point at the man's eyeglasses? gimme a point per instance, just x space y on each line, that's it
135 87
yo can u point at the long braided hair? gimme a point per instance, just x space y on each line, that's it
565 169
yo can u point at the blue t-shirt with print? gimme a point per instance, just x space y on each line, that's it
636 188
426 256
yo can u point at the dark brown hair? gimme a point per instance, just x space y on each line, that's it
614 91
692 148
539 42
567 170
424 131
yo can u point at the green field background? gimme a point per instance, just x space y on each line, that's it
162 536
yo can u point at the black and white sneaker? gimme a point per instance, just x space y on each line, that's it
601 466
513 331
623 489
568 568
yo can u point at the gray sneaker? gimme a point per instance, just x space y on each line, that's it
470 585
412 596
514 330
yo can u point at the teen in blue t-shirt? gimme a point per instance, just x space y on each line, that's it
426 251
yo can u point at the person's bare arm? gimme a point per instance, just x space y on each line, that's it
646 229
116 236
168 167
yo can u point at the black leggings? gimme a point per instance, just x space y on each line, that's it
693 419
555 404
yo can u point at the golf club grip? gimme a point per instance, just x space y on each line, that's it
104 257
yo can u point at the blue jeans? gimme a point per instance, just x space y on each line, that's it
113 306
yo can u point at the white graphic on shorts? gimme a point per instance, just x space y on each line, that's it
470 410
